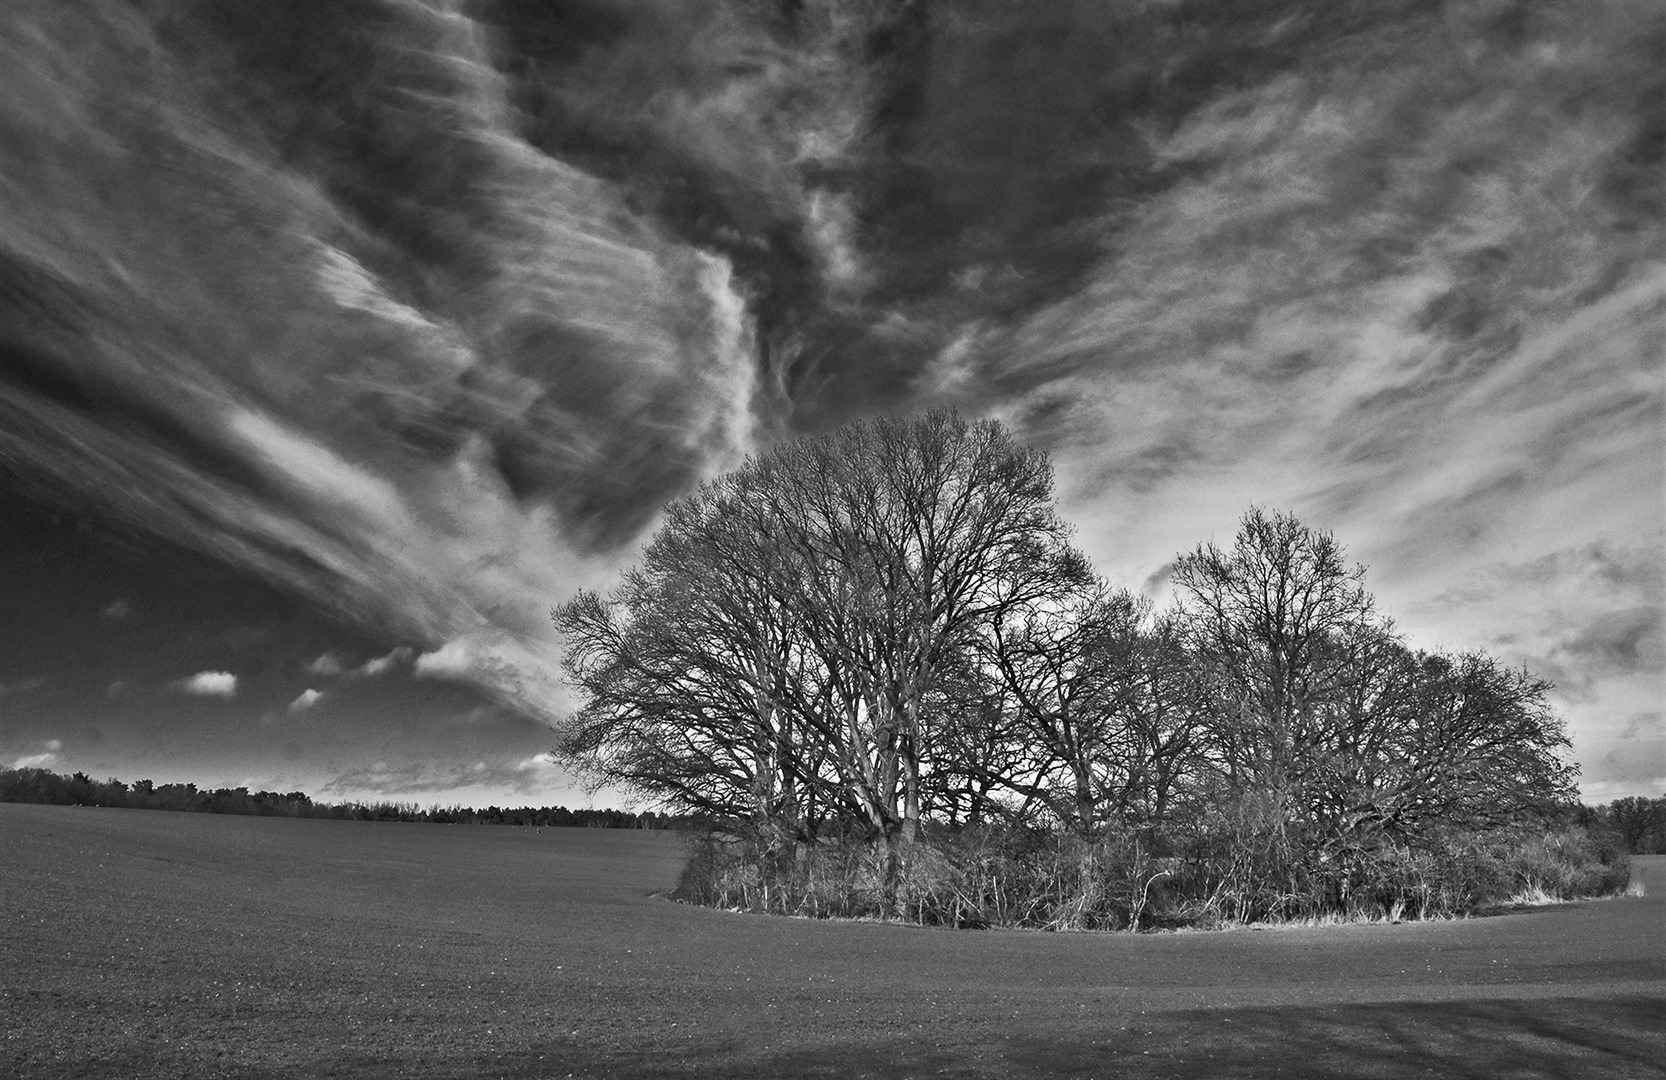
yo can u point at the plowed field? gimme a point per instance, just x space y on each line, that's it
144 944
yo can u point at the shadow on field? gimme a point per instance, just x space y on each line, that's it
1558 1037
1549 1038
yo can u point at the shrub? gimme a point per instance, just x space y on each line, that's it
1240 864
1567 864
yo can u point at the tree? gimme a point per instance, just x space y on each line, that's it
777 653
1336 740
1484 747
1104 701
1267 620
1640 823
689 668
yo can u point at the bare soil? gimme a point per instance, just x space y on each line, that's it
145 944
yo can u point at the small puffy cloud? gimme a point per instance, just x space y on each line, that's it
328 664
546 760
309 697
117 609
381 665
210 684
456 659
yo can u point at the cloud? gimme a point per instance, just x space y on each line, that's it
34 682
1415 296
1639 762
117 609
386 779
1582 616
45 759
210 684
1644 724
1624 641
306 700
381 665
457 659
505 665
456 429
330 664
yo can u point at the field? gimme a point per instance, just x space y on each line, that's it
145 944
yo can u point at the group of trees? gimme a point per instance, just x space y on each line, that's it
885 629
1638 824
34 785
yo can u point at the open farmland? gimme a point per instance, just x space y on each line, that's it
135 943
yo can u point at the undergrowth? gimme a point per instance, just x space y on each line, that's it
973 878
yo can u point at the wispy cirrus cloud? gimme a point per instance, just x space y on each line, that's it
1394 266
1392 300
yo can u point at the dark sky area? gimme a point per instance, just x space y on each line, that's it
339 342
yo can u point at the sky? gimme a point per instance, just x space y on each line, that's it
339 343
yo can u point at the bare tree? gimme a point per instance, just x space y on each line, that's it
1104 697
918 531
1484 747
779 647
692 671
1322 717
1264 618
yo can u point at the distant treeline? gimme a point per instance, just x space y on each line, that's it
78 789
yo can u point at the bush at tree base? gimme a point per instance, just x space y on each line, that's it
1120 880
